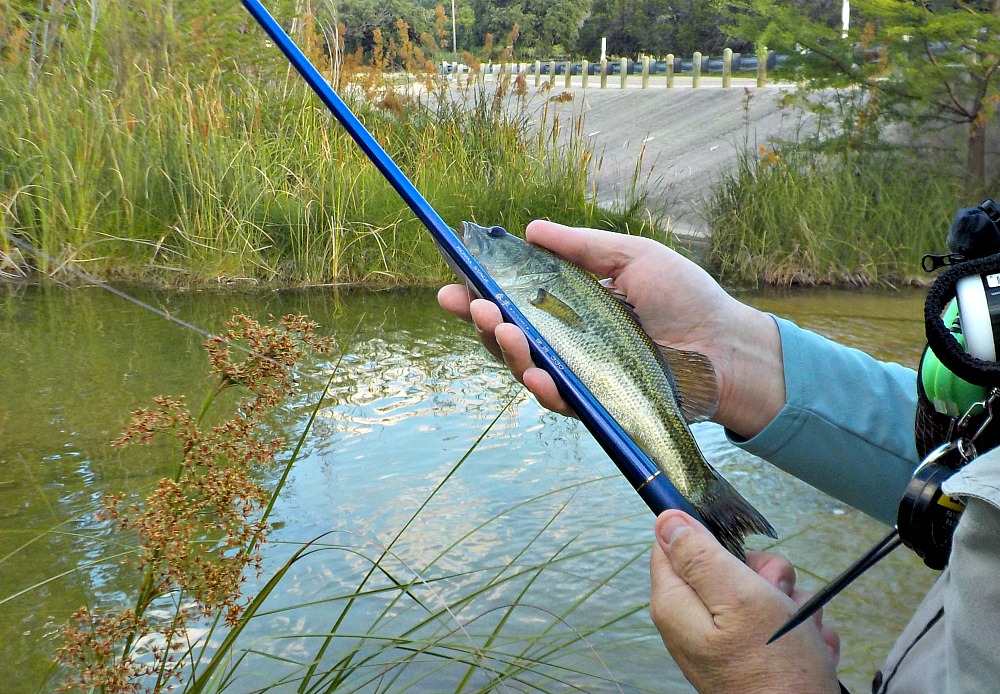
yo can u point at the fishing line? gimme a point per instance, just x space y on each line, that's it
90 279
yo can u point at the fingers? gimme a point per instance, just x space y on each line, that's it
486 317
603 253
506 342
694 579
544 389
775 569
800 598
516 354
456 298
830 637
715 614
832 640
779 572
674 606
700 561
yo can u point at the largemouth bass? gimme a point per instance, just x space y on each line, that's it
651 391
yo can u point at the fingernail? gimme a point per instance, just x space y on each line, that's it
673 528
785 587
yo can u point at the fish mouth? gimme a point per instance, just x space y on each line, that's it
475 238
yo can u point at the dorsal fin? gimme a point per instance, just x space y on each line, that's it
556 307
609 285
697 385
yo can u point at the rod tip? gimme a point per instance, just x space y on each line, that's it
785 628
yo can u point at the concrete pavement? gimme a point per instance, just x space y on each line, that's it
680 140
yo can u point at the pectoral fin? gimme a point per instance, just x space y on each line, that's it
548 302
696 383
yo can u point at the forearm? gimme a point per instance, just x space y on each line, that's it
846 426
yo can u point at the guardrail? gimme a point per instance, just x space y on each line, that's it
725 65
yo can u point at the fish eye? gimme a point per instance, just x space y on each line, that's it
497 232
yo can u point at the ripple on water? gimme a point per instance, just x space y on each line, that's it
535 530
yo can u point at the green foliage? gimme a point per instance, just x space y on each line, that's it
497 18
200 533
360 19
115 37
918 61
832 215
556 22
153 170
657 27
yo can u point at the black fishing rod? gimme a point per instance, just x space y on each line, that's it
654 488
832 589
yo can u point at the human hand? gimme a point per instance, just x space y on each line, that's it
715 615
678 304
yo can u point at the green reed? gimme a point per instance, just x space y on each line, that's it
798 215
403 609
181 178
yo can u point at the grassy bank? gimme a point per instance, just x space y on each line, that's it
161 148
178 175
833 215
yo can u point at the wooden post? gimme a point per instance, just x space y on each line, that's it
670 71
538 72
604 74
727 68
624 64
696 70
585 73
761 66
645 72
552 73
569 74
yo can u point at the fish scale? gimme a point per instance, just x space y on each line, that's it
601 342
642 401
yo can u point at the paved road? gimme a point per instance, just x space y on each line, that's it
683 139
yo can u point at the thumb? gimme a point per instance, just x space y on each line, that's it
604 253
718 578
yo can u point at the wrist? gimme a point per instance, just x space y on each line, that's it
751 373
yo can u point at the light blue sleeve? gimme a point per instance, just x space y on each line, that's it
847 424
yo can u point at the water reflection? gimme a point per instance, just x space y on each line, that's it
535 516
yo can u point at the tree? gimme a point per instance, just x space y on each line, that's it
498 17
556 23
361 17
630 26
701 26
917 61
656 27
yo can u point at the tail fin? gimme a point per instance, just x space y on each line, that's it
729 516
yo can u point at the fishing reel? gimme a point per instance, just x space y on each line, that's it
957 383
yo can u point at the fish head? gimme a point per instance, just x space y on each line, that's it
510 261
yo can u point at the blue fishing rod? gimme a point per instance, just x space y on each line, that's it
654 487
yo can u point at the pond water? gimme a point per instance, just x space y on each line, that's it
532 548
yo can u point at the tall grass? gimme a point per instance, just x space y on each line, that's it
350 610
184 175
798 214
